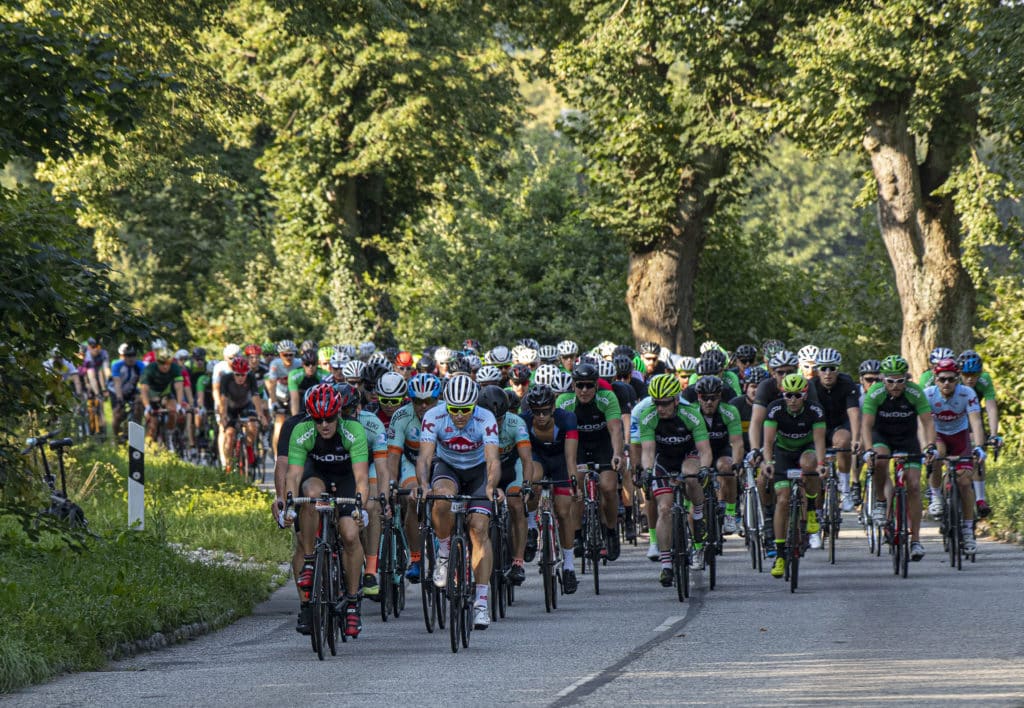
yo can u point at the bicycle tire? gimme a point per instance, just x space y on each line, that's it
896 546
595 546
556 571
711 540
496 560
468 589
332 597
904 538
547 563
955 526
680 554
427 587
385 570
401 546
794 543
455 594
320 601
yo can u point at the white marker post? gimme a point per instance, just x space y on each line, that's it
136 477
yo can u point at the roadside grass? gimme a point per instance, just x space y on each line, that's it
69 601
1005 487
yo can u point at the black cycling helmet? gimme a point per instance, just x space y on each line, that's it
372 374
869 366
309 357
391 353
623 349
520 373
198 353
540 397
717 357
707 366
623 364
513 400
425 365
493 398
746 351
584 372
459 362
754 375
709 385
650 348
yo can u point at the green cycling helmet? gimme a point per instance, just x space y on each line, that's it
893 365
664 386
794 383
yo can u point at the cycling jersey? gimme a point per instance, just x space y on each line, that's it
129 376
237 396
376 440
550 454
161 382
625 395
834 401
204 391
745 408
951 413
592 424
896 417
95 361
985 388
298 381
794 432
512 436
279 373
721 427
727 376
459 447
641 407
332 457
60 367
675 438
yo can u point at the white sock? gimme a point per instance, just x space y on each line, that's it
567 559
444 547
481 594
531 520
979 490
698 512
936 492
844 482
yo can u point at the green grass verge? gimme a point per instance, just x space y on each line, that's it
1005 487
67 608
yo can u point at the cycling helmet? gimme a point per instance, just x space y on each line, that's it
548 353
687 365
125 350
231 351
894 364
674 360
253 350
520 373
528 355
771 347
606 349
940 353
350 350
324 354
829 357
461 391
158 343
529 343
286 346
540 397
163 355
392 385
746 351
308 345
322 401
372 374
390 353
442 355
488 375
545 375
181 354
499 356
808 353
664 386
707 366
588 359
458 364
424 386
567 347
623 365
623 349
471 346
353 369
794 383
783 358
869 366
338 361
240 365
267 348
584 372
563 382
650 348
366 349
606 369
716 357
709 345
404 359
493 399
970 362
425 365
709 386
473 362
379 358
946 364
197 353
517 353
309 358
754 375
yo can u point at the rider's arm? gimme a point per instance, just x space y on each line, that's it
144 394
493 459
293 397
867 424
647 454
736 441
361 471
818 431
757 438
423 460
992 412
977 429
769 443
704 452
179 390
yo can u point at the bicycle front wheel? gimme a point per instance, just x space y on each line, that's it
547 563
794 545
680 553
320 601
427 587
385 570
456 594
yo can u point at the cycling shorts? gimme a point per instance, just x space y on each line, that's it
471 481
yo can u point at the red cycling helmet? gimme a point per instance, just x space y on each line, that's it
520 373
322 401
240 365
253 350
946 364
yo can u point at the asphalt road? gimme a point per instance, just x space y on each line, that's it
853 632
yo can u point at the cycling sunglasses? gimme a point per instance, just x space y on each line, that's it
896 381
387 401
460 410
790 395
946 379
827 369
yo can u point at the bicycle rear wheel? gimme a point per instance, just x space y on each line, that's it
496 590
954 529
896 546
427 587
385 555
904 537
712 540
547 563
333 583
680 553
319 601
456 597
594 544
794 546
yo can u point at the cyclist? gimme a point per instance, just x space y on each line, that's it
712 363
162 383
96 367
807 356
391 388
334 444
239 398
377 472
971 375
305 377
404 364
869 372
516 467
892 412
674 439
519 379
650 352
568 350
745 358
277 384
957 414
123 385
464 437
752 378
794 438
839 398
554 440
599 424
725 435
424 390
934 357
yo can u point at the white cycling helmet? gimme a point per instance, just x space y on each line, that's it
442 355
474 363
499 356
181 354
286 345
808 353
366 349
829 357
606 349
392 385
605 369
461 391
528 356
708 345
567 347
548 353
545 375
939 353
783 358
353 369
231 351
338 360
158 343
488 375
563 382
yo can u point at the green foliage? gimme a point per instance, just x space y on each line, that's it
511 244
1006 491
1002 348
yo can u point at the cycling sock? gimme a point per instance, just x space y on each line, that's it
371 565
517 562
811 502
780 544
969 525
531 520
936 492
568 560
698 512
730 509
666 559
415 556
481 594
844 482
654 536
444 546
979 490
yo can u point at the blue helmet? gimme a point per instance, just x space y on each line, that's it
424 386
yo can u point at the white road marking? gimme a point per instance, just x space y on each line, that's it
667 624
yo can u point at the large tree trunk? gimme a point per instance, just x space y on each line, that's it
922 236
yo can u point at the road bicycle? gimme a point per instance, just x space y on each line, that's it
393 553
591 528
549 539
753 520
831 506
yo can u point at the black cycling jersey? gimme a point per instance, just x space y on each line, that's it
746 408
236 395
626 395
837 399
